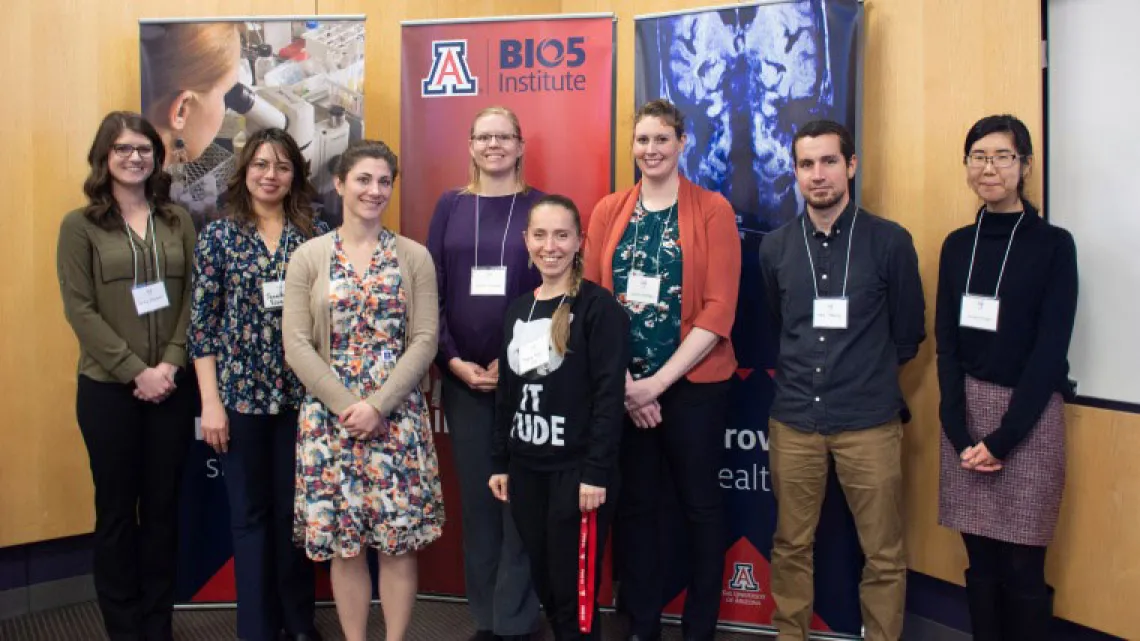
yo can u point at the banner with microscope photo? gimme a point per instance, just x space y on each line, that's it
556 74
207 85
747 77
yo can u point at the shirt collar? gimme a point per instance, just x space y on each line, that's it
838 228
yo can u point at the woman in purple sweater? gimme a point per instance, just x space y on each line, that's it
477 242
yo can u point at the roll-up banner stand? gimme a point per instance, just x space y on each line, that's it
747 76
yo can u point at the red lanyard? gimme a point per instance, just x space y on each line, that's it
587 562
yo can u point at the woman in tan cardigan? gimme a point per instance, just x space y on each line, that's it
360 325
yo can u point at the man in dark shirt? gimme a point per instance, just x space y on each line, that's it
846 298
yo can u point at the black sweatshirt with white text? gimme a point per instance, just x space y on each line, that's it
566 413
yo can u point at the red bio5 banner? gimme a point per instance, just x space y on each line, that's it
557 74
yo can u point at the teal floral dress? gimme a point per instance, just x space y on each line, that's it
651 245
383 492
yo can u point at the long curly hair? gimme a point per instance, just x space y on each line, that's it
102 209
298 202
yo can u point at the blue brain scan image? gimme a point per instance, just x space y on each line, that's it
746 78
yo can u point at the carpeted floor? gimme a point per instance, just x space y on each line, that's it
432 621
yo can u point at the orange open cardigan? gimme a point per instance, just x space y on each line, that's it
710 271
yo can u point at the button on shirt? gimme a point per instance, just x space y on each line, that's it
831 380
228 318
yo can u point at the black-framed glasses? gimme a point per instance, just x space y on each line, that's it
1001 161
125 151
485 139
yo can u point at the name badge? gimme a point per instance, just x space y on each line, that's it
387 355
829 313
149 298
643 288
273 294
534 354
979 312
488 281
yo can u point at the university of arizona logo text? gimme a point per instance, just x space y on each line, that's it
449 75
743 579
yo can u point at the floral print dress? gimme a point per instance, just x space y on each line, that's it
651 245
382 492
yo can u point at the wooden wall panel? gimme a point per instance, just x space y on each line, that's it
60 93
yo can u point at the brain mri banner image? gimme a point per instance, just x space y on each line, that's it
747 77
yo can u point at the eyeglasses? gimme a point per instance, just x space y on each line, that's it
1001 161
506 139
125 151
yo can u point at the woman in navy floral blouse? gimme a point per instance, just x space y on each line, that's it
250 398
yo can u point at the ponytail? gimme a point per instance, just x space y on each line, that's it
560 322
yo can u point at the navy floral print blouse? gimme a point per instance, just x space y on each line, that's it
229 320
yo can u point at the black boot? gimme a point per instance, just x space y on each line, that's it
1027 617
984 596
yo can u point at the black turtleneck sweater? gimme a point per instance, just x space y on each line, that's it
1028 352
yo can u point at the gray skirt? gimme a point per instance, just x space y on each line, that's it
1019 503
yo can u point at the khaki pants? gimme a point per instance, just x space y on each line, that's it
869 466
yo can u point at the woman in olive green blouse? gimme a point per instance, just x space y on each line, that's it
124 266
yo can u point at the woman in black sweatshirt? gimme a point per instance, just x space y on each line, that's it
558 419
1007 299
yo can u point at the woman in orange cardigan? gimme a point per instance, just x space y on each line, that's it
670 251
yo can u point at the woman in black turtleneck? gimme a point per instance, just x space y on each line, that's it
1007 297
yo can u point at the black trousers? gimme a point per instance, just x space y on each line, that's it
274 578
136 450
689 446
1020 568
545 507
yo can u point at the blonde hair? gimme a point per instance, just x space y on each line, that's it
473 170
185 56
560 321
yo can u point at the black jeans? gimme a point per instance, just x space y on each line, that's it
689 444
545 507
274 578
136 450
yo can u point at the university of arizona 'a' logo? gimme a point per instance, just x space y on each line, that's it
449 75
743 578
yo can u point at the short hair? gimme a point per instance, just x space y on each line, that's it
823 127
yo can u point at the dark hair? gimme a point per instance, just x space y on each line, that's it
666 111
817 128
1003 124
362 149
101 205
298 202
560 322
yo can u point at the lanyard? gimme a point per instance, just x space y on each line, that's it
134 251
283 244
587 569
507 230
637 235
528 316
974 251
847 264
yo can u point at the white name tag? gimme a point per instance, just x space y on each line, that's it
388 356
643 288
273 294
534 354
829 313
488 281
149 298
979 312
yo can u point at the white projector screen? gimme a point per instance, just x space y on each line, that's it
1094 183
